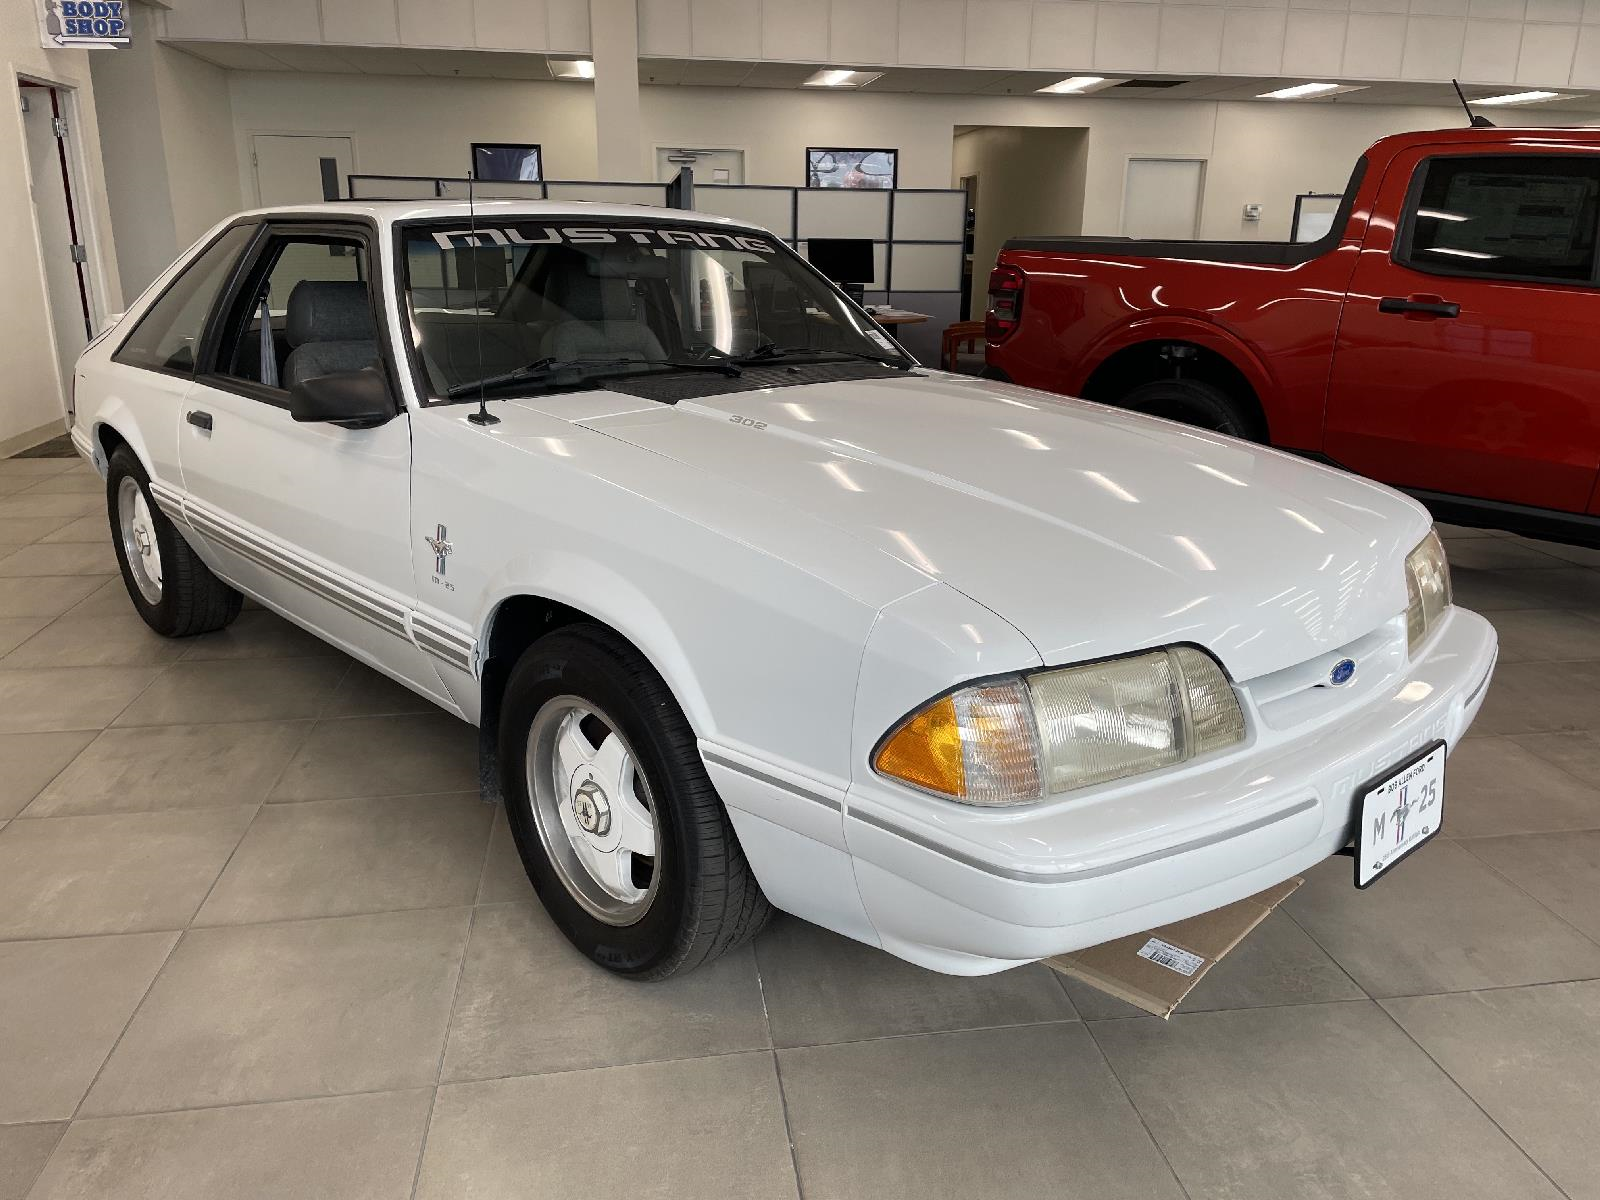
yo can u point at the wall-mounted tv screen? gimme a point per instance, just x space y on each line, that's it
505 161
838 168
843 260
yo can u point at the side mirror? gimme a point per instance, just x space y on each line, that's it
354 399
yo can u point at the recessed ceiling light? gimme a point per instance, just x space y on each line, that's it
1519 98
841 77
572 68
1077 85
1309 91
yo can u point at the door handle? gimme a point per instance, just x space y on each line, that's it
1423 306
200 420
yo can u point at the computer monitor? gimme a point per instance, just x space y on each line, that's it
843 260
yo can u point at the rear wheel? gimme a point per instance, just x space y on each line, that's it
1194 402
620 831
175 593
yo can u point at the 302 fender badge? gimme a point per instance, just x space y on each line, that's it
439 543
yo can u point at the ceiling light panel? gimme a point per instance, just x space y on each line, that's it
1518 98
841 77
572 68
1311 91
1078 85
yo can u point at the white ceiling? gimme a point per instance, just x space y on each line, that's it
493 64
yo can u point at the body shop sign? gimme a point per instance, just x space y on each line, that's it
85 24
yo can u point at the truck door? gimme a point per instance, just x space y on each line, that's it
1468 360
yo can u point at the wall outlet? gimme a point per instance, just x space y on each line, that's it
1252 212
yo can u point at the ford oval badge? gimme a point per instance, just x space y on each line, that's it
1343 672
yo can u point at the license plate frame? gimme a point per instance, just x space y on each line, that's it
1377 784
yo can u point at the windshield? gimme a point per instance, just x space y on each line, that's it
527 305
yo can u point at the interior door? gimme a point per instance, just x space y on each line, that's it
1466 357
1162 198
289 166
312 517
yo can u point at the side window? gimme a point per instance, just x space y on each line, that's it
305 311
167 337
1520 216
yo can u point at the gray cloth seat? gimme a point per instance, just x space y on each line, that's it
602 319
330 328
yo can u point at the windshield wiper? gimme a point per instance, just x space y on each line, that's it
768 351
545 367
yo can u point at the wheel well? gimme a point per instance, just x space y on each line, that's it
1148 362
109 440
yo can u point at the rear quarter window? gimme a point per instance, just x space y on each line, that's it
167 337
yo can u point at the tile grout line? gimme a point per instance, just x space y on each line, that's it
444 1042
777 1072
1134 1105
1473 1100
1524 891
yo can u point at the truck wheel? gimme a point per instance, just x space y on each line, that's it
175 593
1193 402
620 831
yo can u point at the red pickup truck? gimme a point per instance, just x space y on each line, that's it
1443 336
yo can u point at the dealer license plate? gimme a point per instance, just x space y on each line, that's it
1399 812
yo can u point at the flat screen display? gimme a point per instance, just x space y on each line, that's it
843 260
841 168
504 161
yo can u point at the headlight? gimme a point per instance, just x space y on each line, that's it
1018 739
1428 591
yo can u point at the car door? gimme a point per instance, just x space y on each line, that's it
1466 357
312 517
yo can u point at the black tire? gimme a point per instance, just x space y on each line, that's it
1193 402
706 901
191 599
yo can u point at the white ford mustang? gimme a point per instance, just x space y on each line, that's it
752 611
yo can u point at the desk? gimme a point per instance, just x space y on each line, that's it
897 316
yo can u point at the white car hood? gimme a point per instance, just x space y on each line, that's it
1093 531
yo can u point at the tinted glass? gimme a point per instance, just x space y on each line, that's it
167 337
591 295
1517 215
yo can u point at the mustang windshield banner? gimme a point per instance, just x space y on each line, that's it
85 24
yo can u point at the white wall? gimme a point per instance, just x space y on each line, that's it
31 401
1257 152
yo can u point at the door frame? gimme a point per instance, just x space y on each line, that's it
248 177
1200 195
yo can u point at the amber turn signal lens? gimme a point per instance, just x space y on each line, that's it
926 751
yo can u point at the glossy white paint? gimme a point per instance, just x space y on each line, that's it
804 585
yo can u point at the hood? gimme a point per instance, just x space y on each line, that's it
1094 531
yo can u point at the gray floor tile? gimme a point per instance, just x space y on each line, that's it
1311 1100
1277 964
709 1127
61 558
22 530
821 987
1576 753
123 640
1566 587
14 631
1498 554
290 1011
38 700
1560 870
1586 556
272 689
23 1151
349 1147
35 469
63 1004
109 599
333 858
383 756
1439 922
1530 1057
504 879
152 767
29 761
1492 591
30 504
69 876
46 597
258 634
366 693
1546 634
1541 697
1494 786
1024 1112
71 483
530 1003
93 528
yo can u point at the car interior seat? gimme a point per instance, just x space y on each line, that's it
601 309
330 327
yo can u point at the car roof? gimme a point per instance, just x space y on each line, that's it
389 212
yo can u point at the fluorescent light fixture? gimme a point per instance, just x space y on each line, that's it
1518 98
1310 91
841 77
1077 85
572 68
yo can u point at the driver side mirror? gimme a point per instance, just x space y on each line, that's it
354 399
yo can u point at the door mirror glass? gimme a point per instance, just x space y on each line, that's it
354 399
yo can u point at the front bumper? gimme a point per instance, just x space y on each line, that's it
970 891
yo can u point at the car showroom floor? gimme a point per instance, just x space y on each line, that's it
259 937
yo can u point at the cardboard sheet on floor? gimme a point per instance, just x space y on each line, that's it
1156 969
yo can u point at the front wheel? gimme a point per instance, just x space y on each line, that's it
175 593
620 831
